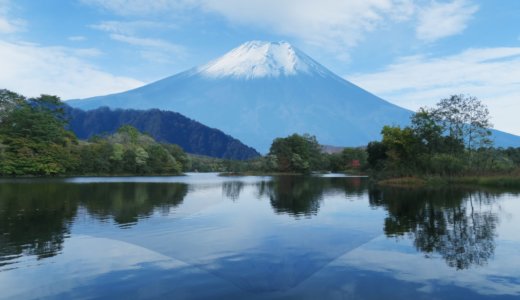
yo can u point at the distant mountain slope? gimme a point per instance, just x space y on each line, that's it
260 91
165 126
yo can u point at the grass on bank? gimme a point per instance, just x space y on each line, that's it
495 181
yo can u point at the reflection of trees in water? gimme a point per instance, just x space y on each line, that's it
457 224
126 203
302 196
232 189
295 195
35 218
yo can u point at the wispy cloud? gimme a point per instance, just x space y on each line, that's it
153 50
9 24
335 25
491 74
439 20
147 42
35 69
150 49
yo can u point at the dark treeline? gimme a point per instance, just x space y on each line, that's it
164 126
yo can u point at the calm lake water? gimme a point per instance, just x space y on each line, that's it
207 237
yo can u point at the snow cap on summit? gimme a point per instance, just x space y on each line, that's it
256 59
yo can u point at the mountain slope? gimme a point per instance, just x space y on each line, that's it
164 126
260 91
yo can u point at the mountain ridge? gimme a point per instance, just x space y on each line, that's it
260 91
163 126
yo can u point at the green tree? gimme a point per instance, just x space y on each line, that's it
427 130
179 155
297 153
351 156
160 161
8 102
129 161
376 155
437 141
141 157
465 118
33 136
403 148
40 119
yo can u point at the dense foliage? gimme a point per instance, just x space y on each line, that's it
296 153
451 139
32 136
164 126
34 141
129 152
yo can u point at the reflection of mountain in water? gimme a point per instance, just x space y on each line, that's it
35 218
301 196
457 224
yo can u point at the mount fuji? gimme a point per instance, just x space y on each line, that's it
263 90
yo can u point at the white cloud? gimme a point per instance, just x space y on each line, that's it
490 74
332 24
32 70
440 20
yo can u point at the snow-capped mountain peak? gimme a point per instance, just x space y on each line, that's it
257 59
261 91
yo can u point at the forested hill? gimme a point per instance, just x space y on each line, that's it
164 126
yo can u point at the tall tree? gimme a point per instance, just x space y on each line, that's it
465 118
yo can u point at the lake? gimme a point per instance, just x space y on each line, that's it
203 236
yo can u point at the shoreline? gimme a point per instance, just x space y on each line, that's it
492 181
90 175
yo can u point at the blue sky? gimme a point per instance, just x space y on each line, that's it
412 53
